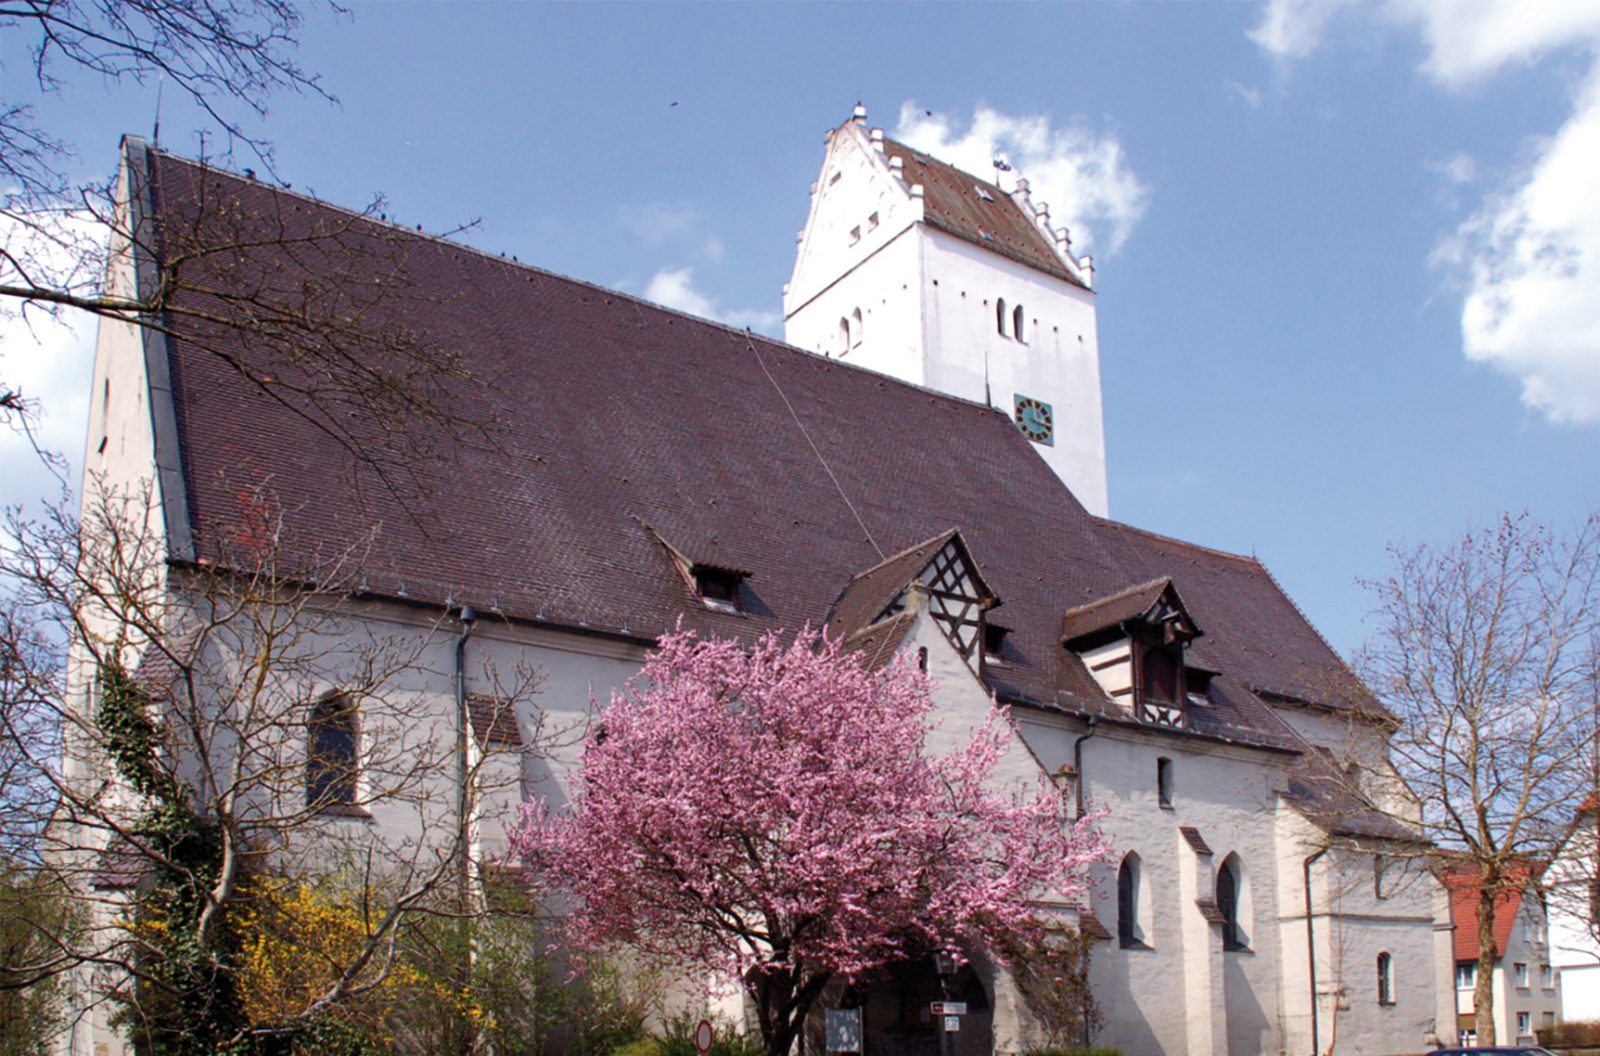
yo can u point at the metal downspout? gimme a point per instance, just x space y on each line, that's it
1311 954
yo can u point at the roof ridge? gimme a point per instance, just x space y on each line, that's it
946 534
773 342
1147 533
1124 592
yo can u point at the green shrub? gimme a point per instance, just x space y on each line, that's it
676 1038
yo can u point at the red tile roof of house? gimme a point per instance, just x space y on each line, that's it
1465 883
619 423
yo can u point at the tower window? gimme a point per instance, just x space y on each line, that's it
872 222
855 328
1164 783
1016 323
1000 316
332 749
844 334
1385 979
855 235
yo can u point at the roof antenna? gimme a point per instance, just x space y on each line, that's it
155 133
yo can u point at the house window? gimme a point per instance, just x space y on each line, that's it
718 587
1000 316
1547 977
1466 976
1385 979
1524 1024
1164 783
1016 323
1229 888
1519 974
333 735
1547 1020
1130 935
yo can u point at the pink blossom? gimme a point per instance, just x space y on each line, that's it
771 814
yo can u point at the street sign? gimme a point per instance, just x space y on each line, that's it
952 1024
949 1008
702 1037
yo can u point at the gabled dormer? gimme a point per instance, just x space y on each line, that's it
937 576
1134 643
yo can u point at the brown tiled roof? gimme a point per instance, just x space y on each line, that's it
954 202
620 422
1192 837
1103 613
1090 925
865 597
878 643
1326 796
494 721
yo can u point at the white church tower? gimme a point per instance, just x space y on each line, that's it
913 268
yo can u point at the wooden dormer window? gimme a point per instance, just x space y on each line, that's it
994 641
1134 644
718 587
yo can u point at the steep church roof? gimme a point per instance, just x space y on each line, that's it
619 424
978 211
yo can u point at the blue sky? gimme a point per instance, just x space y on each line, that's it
1347 256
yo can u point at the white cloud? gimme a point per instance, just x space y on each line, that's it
658 221
1529 257
48 360
1084 177
1291 29
675 288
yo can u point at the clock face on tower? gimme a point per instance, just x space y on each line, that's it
1035 420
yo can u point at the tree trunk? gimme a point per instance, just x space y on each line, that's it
1483 993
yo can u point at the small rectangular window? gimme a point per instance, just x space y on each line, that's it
1466 976
1378 866
1164 782
1547 976
718 587
1524 1024
994 641
1519 973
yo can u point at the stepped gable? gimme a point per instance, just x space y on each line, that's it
954 202
619 424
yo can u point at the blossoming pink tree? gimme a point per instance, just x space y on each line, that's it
772 815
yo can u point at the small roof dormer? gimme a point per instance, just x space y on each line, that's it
943 571
1134 644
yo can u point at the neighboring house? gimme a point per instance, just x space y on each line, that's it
1573 885
651 469
1527 987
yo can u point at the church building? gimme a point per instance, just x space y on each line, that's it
921 467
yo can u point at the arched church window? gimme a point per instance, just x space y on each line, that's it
1130 933
1229 888
1016 324
1000 316
333 733
855 328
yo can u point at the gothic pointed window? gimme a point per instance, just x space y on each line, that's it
1230 883
333 734
1000 316
1130 934
1016 324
